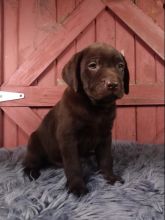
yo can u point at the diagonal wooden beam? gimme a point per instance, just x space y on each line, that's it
139 23
24 117
56 42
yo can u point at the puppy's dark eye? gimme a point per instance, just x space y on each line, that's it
92 65
121 66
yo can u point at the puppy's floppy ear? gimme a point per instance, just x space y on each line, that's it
71 71
126 77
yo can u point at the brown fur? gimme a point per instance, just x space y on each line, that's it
82 120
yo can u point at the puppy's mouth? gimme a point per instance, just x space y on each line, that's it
107 99
105 95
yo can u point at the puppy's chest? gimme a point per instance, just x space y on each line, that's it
90 134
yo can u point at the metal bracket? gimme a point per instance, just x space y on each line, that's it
8 96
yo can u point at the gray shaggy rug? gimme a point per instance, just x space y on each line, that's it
141 197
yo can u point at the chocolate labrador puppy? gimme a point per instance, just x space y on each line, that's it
81 122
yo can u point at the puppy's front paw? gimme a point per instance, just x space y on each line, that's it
78 188
33 174
114 178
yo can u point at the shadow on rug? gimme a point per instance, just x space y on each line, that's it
141 197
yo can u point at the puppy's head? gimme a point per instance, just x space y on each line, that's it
100 71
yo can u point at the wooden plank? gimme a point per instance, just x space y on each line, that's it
148 91
125 124
159 70
56 42
140 24
46 15
10 56
10 38
64 8
160 122
146 125
160 126
146 75
45 22
141 102
1 68
24 118
125 43
48 96
27 30
1 40
27 33
154 9
105 28
145 68
78 2
87 37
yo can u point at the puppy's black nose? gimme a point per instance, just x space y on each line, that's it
111 85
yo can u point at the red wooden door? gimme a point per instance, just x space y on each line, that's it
39 37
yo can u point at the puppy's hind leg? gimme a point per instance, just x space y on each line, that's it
35 158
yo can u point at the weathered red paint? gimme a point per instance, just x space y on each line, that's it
38 38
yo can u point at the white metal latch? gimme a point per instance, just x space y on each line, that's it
7 96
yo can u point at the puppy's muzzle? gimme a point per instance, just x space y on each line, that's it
110 84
